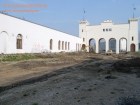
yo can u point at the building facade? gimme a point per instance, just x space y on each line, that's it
109 36
20 36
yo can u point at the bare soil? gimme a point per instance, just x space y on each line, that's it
72 79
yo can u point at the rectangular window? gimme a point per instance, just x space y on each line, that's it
103 30
83 39
132 38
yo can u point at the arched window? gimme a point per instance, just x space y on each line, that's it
62 45
51 44
65 45
19 41
59 44
76 46
3 41
68 45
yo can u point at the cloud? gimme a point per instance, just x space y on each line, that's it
18 1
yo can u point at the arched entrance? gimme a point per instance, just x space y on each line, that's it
3 40
112 44
123 45
132 47
83 47
102 45
92 45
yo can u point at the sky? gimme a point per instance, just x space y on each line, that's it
65 15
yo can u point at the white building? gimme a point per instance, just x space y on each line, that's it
20 36
110 36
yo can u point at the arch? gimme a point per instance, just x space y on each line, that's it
59 45
102 45
4 32
3 40
65 45
123 45
51 44
19 41
62 45
112 44
83 47
92 45
133 47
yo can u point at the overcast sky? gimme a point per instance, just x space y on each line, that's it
64 15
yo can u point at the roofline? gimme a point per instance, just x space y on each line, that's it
34 23
112 24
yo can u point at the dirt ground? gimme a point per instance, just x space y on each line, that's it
80 79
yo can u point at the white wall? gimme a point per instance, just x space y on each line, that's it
133 32
36 38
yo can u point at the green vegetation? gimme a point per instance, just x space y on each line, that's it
22 57
17 57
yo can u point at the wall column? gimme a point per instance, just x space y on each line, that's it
107 44
137 47
97 46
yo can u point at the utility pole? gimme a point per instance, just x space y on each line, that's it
84 12
134 9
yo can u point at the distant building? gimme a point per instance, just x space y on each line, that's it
110 36
20 36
